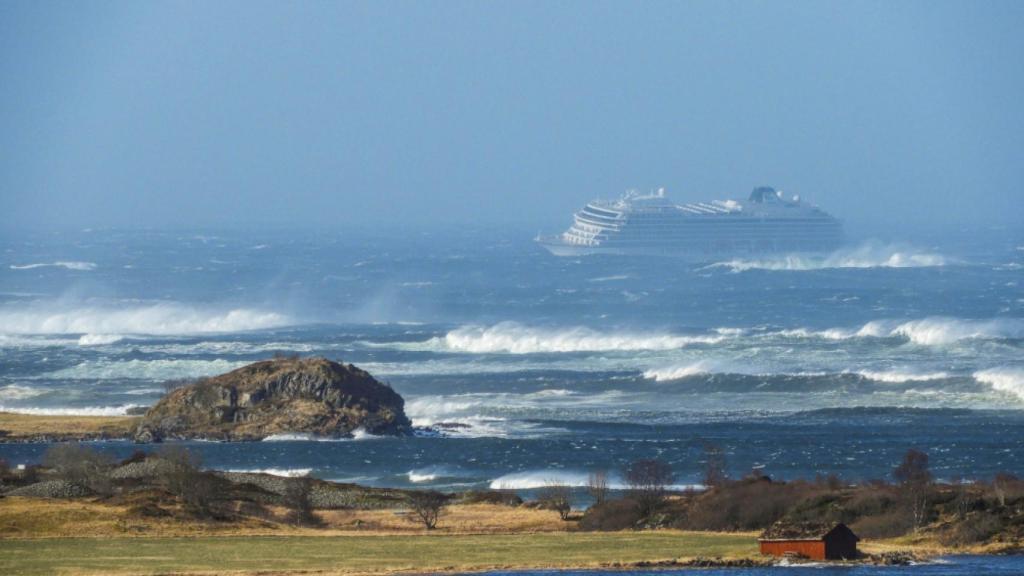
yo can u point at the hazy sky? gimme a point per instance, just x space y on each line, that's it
176 114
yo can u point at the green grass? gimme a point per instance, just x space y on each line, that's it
351 554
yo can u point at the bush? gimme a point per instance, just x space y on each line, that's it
506 498
648 482
196 489
974 529
556 497
611 515
297 499
886 525
427 507
80 465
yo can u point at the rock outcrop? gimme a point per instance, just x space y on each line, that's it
312 396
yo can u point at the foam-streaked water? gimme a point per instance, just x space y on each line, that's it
540 367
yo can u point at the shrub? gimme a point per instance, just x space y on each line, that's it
80 465
597 486
885 525
611 515
297 499
196 489
427 507
556 497
648 482
506 498
973 529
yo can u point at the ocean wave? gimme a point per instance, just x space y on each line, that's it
17 392
99 339
157 370
515 338
430 474
869 255
678 372
901 376
534 479
283 472
931 331
155 319
71 411
1004 379
66 264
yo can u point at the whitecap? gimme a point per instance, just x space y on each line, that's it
901 376
66 264
72 411
17 392
159 319
99 339
1003 379
869 255
515 338
283 472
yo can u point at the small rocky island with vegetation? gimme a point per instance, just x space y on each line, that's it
310 396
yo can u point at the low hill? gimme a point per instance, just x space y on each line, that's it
313 396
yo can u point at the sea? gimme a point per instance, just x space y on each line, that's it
520 368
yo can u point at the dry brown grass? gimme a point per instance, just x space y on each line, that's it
46 518
23 426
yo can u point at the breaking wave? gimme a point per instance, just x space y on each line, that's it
515 338
900 376
16 392
865 256
158 370
65 411
1003 380
67 265
531 480
932 331
157 319
678 372
283 472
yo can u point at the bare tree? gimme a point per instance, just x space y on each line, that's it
298 498
597 486
427 507
915 480
80 465
1000 485
714 465
557 497
196 489
648 482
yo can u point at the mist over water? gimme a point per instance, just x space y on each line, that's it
535 367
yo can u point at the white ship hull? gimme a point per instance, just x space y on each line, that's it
653 226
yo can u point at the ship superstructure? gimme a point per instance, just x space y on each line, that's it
766 223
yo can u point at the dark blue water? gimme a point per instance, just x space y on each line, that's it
949 566
550 367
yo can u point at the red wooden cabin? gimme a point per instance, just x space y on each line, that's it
810 540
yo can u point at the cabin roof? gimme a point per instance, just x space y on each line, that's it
783 530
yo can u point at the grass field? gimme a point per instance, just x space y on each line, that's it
357 554
20 426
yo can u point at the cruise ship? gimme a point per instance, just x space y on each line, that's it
651 224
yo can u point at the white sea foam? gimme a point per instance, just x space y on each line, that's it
66 264
678 372
161 319
17 392
99 339
1003 379
299 437
533 479
158 370
284 472
869 255
515 338
901 376
931 331
72 411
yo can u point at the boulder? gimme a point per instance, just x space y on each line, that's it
309 396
